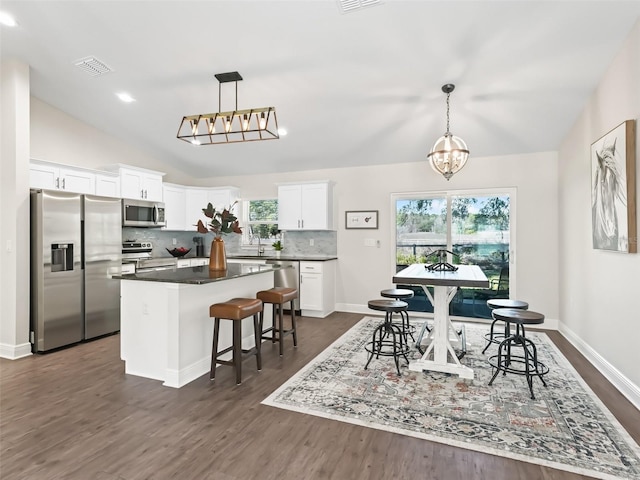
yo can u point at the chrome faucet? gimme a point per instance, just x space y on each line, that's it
260 247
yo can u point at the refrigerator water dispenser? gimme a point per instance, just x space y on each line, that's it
61 257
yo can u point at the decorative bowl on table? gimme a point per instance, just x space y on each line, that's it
179 252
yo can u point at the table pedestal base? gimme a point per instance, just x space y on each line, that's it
442 336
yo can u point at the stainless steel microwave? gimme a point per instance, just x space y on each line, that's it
142 213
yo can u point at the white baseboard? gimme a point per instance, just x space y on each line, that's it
622 383
14 352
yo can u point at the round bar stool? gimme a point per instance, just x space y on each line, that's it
278 296
526 364
501 303
236 310
388 338
402 294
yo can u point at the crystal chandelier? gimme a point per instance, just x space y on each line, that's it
449 154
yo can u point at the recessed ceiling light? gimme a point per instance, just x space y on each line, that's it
125 97
282 132
8 20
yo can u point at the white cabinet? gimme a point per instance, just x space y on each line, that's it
183 205
139 183
174 206
306 206
52 176
197 199
108 184
317 288
183 262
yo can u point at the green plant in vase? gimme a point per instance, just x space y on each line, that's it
277 246
220 223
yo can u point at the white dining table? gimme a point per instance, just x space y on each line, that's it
440 355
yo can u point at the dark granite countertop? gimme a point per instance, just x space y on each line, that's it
200 275
270 256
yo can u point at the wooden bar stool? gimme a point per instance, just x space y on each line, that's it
501 303
236 310
278 296
402 294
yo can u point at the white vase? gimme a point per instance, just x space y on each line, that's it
277 253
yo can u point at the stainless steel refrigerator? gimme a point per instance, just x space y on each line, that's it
76 245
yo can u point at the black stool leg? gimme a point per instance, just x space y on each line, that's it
257 333
281 328
214 349
490 340
237 350
373 349
293 325
273 331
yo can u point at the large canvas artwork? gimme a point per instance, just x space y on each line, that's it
613 190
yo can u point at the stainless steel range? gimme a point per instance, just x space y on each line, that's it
140 254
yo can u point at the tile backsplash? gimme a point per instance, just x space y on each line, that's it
295 242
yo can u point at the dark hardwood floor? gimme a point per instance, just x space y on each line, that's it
74 414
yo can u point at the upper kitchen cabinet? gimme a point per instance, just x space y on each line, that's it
183 204
198 198
175 201
108 184
139 183
55 176
307 206
52 176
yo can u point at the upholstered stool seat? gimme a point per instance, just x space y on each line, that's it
527 363
496 338
278 296
235 310
388 338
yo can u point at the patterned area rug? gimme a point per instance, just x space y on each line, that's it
565 427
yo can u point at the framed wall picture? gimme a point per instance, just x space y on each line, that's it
361 219
613 190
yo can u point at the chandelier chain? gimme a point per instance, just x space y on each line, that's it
448 95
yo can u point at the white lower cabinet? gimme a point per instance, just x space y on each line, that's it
192 262
317 288
183 262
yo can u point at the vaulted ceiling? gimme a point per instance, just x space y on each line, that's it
351 89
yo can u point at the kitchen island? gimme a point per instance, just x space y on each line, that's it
165 329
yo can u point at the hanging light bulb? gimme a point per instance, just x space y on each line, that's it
211 126
245 122
263 121
449 154
227 124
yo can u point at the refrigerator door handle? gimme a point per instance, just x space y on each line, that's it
82 249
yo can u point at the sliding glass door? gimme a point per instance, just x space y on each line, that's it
475 226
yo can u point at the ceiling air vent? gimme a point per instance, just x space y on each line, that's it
347 6
92 66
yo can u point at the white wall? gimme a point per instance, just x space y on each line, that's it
600 290
61 138
364 271
14 211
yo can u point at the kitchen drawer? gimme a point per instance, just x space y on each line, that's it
311 267
183 262
196 262
128 268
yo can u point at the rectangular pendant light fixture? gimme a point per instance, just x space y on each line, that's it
233 126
